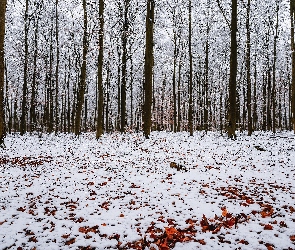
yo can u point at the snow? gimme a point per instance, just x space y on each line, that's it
63 192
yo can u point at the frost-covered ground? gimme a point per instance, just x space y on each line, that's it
120 192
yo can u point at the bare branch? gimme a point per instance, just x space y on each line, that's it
223 13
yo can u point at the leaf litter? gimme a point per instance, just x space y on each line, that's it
169 192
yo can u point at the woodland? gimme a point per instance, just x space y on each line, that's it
147 124
135 65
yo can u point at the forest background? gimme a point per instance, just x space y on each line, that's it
75 66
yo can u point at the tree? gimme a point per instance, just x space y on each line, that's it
99 126
2 70
292 13
190 102
248 69
56 67
148 69
23 123
82 80
124 64
273 97
231 129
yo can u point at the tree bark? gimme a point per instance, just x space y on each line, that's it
190 103
273 97
56 69
82 80
292 12
2 71
33 119
148 69
124 66
248 66
23 125
231 129
100 101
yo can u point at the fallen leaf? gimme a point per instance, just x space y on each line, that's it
268 227
70 242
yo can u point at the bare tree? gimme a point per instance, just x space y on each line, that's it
231 129
23 125
292 13
82 80
190 102
2 70
99 124
148 69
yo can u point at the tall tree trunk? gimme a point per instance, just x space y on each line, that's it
2 71
56 68
255 116
174 81
179 98
33 119
68 99
231 129
190 103
206 87
148 69
50 121
23 125
99 123
107 126
82 80
119 89
8 105
292 12
273 97
124 66
131 93
248 69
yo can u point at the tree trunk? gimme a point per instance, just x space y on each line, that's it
190 109
174 81
292 12
82 80
206 87
9 105
2 71
50 120
148 69
248 69
124 66
273 97
99 123
33 119
56 68
233 73
23 125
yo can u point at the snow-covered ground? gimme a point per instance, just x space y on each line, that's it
125 192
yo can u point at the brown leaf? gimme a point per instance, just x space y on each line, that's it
292 237
70 241
202 242
22 209
2 222
224 211
33 239
268 227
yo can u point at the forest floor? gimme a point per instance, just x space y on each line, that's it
169 192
